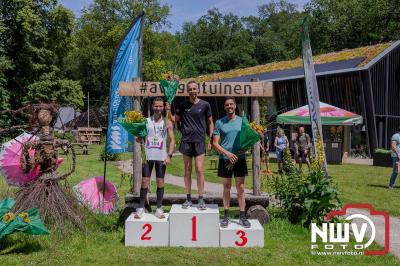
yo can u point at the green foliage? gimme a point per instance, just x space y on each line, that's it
36 36
218 42
66 135
110 156
382 151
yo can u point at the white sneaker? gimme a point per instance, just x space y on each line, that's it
139 213
160 213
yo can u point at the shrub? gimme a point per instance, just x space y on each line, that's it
382 151
66 135
305 198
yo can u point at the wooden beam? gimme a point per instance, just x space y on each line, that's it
206 89
170 199
255 116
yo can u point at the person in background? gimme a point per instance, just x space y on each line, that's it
302 147
281 143
265 150
395 151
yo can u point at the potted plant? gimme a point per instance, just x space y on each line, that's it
382 157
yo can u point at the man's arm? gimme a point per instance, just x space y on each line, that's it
232 157
171 136
210 130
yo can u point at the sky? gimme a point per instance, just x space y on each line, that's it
190 10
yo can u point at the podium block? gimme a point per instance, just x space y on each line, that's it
237 236
148 231
194 228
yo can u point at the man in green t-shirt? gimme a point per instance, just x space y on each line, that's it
395 145
226 140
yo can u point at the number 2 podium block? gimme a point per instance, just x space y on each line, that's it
148 231
194 228
237 236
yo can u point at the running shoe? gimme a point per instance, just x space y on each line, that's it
202 205
244 222
187 204
225 222
139 213
160 213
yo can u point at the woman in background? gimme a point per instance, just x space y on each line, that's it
281 143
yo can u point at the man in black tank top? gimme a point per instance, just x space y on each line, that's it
193 118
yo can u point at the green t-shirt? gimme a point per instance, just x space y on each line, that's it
229 132
396 137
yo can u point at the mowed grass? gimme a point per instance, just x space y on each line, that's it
356 183
102 244
285 244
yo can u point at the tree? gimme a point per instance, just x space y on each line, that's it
336 25
218 42
97 34
35 37
275 31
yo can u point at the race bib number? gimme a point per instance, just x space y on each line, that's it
154 143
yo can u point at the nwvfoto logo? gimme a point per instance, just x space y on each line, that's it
337 235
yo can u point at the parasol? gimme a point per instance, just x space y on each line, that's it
90 193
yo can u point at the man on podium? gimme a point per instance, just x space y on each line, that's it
157 156
193 118
226 140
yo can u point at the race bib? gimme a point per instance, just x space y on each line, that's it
154 143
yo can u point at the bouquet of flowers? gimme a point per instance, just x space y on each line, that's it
248 137
170 86
257 127
135 123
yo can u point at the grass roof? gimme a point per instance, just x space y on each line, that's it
366 52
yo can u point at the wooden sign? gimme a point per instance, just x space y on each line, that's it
206 89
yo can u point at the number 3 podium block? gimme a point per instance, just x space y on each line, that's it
237 236
194 228
148 231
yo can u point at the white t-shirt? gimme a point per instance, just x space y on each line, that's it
156 140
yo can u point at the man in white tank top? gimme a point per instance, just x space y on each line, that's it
157 155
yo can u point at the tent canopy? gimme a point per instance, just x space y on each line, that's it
330 115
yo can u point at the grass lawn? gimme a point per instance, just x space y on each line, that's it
285 244
356 183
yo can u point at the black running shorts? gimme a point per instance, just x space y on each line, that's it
192 149
239 169
148 167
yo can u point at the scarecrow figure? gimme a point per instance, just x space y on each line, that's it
56 203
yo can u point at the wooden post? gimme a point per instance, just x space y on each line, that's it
346 140
137 160
255 116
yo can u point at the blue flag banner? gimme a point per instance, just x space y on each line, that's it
126 67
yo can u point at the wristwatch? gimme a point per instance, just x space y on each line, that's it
170 155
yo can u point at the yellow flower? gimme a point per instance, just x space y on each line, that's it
8 217
257 127
134 117
25 217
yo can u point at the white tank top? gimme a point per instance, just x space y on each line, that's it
156 140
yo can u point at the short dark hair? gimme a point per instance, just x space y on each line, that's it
157 99
230 98
192 82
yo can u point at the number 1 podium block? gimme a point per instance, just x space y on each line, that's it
148 231
236 235
194 228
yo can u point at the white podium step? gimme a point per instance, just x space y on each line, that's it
236 235
148 231
194 228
